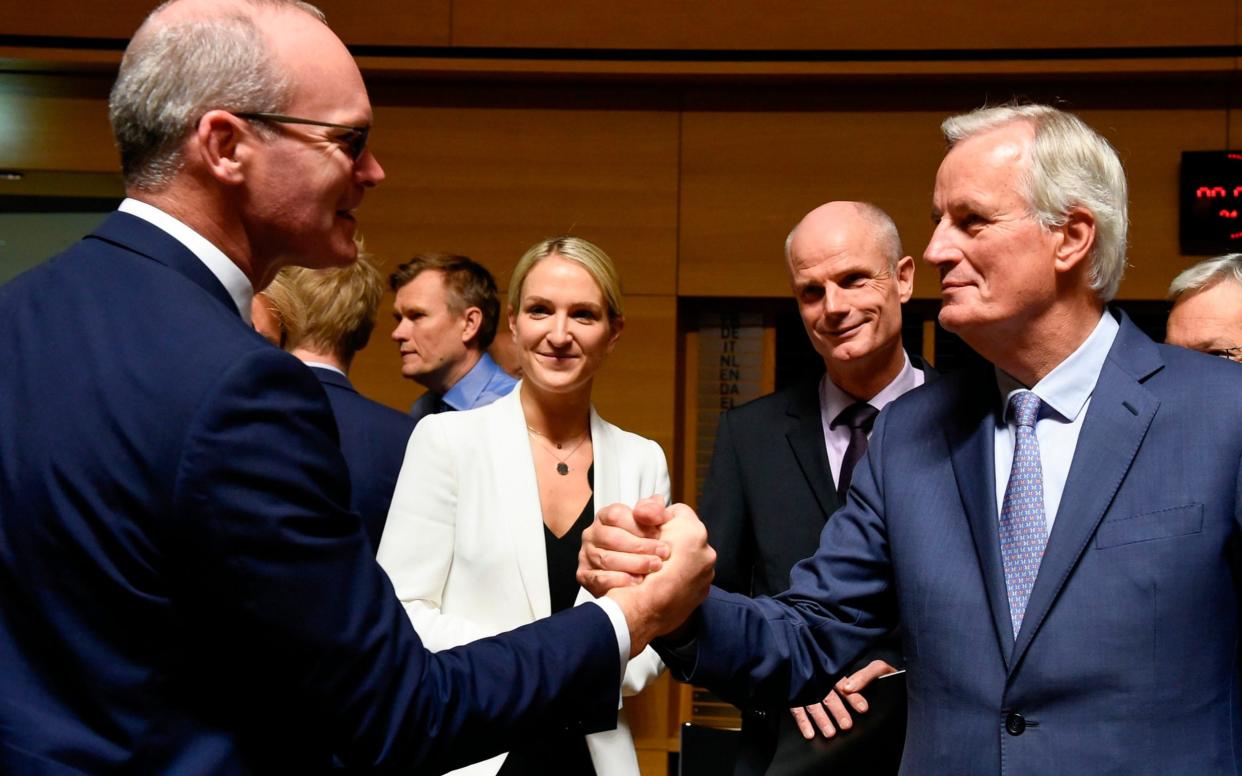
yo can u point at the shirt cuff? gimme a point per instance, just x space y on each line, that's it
622 629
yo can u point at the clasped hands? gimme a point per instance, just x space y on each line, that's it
653 560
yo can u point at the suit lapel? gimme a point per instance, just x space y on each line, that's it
521 513
805 432
1118 417
970 432
134 234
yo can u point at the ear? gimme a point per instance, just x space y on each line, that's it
472 319
1077 236
905 278
615 326
221 143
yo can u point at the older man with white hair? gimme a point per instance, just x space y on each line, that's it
1057 533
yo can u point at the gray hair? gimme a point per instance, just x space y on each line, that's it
174 73
883 229
1071 166
1205 273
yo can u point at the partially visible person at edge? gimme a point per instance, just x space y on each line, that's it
324 317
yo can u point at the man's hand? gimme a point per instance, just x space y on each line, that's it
655 595
835 710
622 546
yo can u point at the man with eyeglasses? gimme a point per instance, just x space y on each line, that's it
182 586
1207 307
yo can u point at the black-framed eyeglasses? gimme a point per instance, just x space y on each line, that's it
1233 354
355 139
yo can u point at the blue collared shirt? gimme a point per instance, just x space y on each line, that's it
1066 392
483 384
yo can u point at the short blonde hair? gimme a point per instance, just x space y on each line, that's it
590 256
331 309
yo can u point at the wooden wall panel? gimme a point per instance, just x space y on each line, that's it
489 173
749 175
856 25
389 22
55 122
751 168
377 22
72 18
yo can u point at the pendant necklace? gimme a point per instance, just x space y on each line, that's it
562 468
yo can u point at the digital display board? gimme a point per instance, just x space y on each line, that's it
1211 202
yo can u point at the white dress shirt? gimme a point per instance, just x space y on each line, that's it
1066 392
833 401
220 265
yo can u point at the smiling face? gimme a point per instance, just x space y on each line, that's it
304 184
848 295
561 326
997 263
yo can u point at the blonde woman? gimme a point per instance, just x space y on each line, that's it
490 505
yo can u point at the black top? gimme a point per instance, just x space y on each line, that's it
557 752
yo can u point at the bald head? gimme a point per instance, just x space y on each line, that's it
840 218
850 280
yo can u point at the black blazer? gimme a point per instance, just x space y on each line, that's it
373 440
182 586
768 493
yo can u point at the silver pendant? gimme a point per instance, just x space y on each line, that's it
562 468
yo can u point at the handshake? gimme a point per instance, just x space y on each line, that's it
654 561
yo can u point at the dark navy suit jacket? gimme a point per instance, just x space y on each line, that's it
182 588
373 440
1127 662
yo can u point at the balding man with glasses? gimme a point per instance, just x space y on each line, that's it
1207 307
183 588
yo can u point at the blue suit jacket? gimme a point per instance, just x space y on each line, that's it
1127 662
373 440
182 588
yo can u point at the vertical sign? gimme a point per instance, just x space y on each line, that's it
730 373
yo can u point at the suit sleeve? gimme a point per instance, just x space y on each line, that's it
789 650
285 594
418 543
722 507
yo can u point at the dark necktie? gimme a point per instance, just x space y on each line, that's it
1023 529
859 417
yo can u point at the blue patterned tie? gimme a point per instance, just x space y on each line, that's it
1023 529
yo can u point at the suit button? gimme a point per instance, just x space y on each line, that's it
1015 724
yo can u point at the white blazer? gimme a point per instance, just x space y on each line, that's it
464 542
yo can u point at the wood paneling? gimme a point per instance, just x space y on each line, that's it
489 172
389 22
749 175
55 122
377 22
851 25
753 164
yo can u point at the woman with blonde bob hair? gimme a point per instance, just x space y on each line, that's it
488 514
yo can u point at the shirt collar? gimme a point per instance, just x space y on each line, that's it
833 400
329 367
1069 385
465 392
221 266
